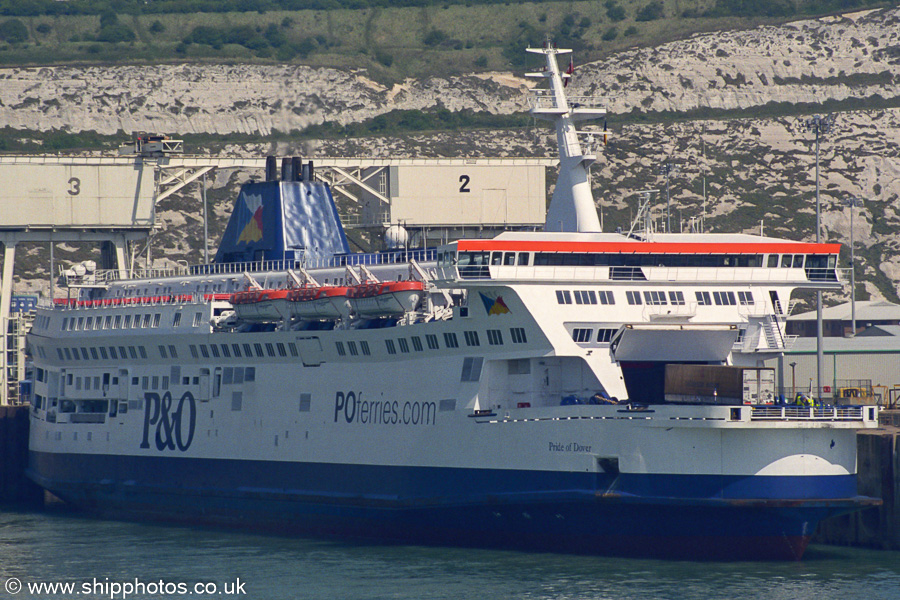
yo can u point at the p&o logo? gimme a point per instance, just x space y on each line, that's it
174 428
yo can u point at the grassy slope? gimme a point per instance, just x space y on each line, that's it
389 42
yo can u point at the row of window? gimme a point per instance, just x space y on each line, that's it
120 321
248 350
654 297
676 298
585 335
494 338
103 353
467 260
282 349
585 297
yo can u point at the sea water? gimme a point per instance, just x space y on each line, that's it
109 559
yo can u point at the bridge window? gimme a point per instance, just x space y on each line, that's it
473 264
509 259
773 261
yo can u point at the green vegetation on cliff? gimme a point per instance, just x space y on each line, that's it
393 39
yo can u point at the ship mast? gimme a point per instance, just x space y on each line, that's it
572 206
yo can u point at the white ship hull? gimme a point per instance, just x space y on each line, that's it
517 399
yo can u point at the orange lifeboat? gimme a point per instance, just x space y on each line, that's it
263 305
318 303
386 298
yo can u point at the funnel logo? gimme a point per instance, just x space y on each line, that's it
494 306
253 230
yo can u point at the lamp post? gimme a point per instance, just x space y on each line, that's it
852 202
820 126
667 168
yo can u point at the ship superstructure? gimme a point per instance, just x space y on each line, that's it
508 392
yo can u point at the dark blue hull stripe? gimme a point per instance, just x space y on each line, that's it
574 512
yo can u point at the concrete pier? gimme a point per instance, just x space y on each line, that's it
14 486
878 465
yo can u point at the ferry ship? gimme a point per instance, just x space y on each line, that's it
561 390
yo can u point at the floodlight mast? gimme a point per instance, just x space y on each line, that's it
820 126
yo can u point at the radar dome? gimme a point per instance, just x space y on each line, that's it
396 237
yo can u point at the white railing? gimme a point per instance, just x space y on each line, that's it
806 413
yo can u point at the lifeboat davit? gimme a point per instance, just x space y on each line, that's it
259 305
318 303
386 298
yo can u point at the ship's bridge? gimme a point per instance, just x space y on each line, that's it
667 258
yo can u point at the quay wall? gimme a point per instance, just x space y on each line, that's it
14 486
878 465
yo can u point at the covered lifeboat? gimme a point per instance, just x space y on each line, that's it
318 302
385 298
262 305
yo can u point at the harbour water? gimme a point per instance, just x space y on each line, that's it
100 557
